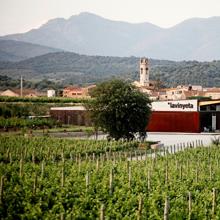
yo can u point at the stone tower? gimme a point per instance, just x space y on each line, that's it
144 72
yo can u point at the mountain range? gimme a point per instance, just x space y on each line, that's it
86 33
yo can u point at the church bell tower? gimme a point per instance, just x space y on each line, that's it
144 72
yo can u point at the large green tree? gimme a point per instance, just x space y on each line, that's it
119 109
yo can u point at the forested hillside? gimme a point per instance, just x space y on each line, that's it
11 50
71 68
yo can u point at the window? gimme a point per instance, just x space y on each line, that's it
179 92
141 70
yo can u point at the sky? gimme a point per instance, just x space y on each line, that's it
18 16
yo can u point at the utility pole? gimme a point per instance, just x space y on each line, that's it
21 92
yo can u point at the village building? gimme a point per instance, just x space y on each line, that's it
17 93
51 93
9 93
77 92
74 115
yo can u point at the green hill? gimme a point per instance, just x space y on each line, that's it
14 51
71 68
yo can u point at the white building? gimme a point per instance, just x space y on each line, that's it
51 93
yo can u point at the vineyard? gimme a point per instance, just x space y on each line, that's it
48 178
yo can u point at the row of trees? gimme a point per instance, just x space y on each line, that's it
9 82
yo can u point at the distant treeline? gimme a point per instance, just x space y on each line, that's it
42 99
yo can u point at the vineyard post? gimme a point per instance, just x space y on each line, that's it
166 209
71 156
155 155
114 159
177 164
127 166
187 166
87 180
25 152
181 172
210 172
102 212
197 174
184 146
10 158
136 157
16 153
33 156
166 174
120 156
111 182
1 189
41 148
21 167
151 154
129 176
213 201
190 204
126 154
140 205
62 176
79 164
97 164
101 160
42 169
148 180
62 216
62 156
35 183
7 153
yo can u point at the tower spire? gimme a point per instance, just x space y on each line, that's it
144 72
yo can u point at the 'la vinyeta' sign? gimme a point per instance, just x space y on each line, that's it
181 105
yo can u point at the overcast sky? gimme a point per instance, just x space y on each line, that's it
22 15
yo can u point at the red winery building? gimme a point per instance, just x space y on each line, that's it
190 116
185 116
